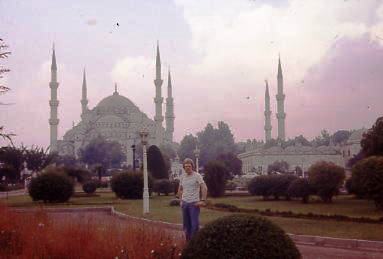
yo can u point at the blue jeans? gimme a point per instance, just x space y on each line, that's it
190 216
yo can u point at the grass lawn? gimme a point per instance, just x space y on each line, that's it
160 210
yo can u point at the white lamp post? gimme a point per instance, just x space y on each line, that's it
144 140
196 153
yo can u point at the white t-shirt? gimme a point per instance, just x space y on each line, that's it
191 186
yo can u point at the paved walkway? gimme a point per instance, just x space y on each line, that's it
327 248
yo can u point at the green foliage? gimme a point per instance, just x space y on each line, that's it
216 175
260 186
278 166
37 158
232 163
271 185
51 186
108 154
12 157
367 179
300 188
128 185
340 136
372 142
240 236
326 178
163 186
187 146
89 186
322 140
213 142
156 163
66 160
80 174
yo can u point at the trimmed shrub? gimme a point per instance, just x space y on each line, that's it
90 186
300 188
51 186
280 184
163 186
260 186
174 202
240 236
367 179
326 178
80 174
129 185
215 177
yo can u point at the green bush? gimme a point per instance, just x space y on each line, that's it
163 186
367 179
216 175
300 188
260 186
81 175
129 185
240 236
51 186
280 184
326 178
90 186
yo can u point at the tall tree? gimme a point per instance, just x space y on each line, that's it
231 162
322 140
187 147
156 163
340 136
103 153
372 142
3 89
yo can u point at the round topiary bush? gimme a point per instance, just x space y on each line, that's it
163 186
90 186
260 186
240 236
129 185
300 188
51 187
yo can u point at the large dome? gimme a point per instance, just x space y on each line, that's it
116 100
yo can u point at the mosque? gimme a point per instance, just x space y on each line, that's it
257 158
115 117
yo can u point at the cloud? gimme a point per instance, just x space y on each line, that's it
238 43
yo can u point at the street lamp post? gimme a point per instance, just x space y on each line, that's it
144 140
134 155
196 153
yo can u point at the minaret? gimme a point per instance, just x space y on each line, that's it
281 115
169 114
158 100
84 100
53 103
267 114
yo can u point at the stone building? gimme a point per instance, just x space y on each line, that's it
116 118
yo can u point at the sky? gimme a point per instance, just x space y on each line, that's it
220 52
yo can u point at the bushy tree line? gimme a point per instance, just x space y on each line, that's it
325 179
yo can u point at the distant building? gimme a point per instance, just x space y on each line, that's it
256 158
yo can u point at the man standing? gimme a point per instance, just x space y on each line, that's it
191 185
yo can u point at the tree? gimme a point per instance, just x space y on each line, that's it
101 152
340 136
372 142
300 188
167 149
278 166
326 178
13 159
231 162
367 179
156 163
3 89
187 147
322 140
38 158
216 175
213 142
